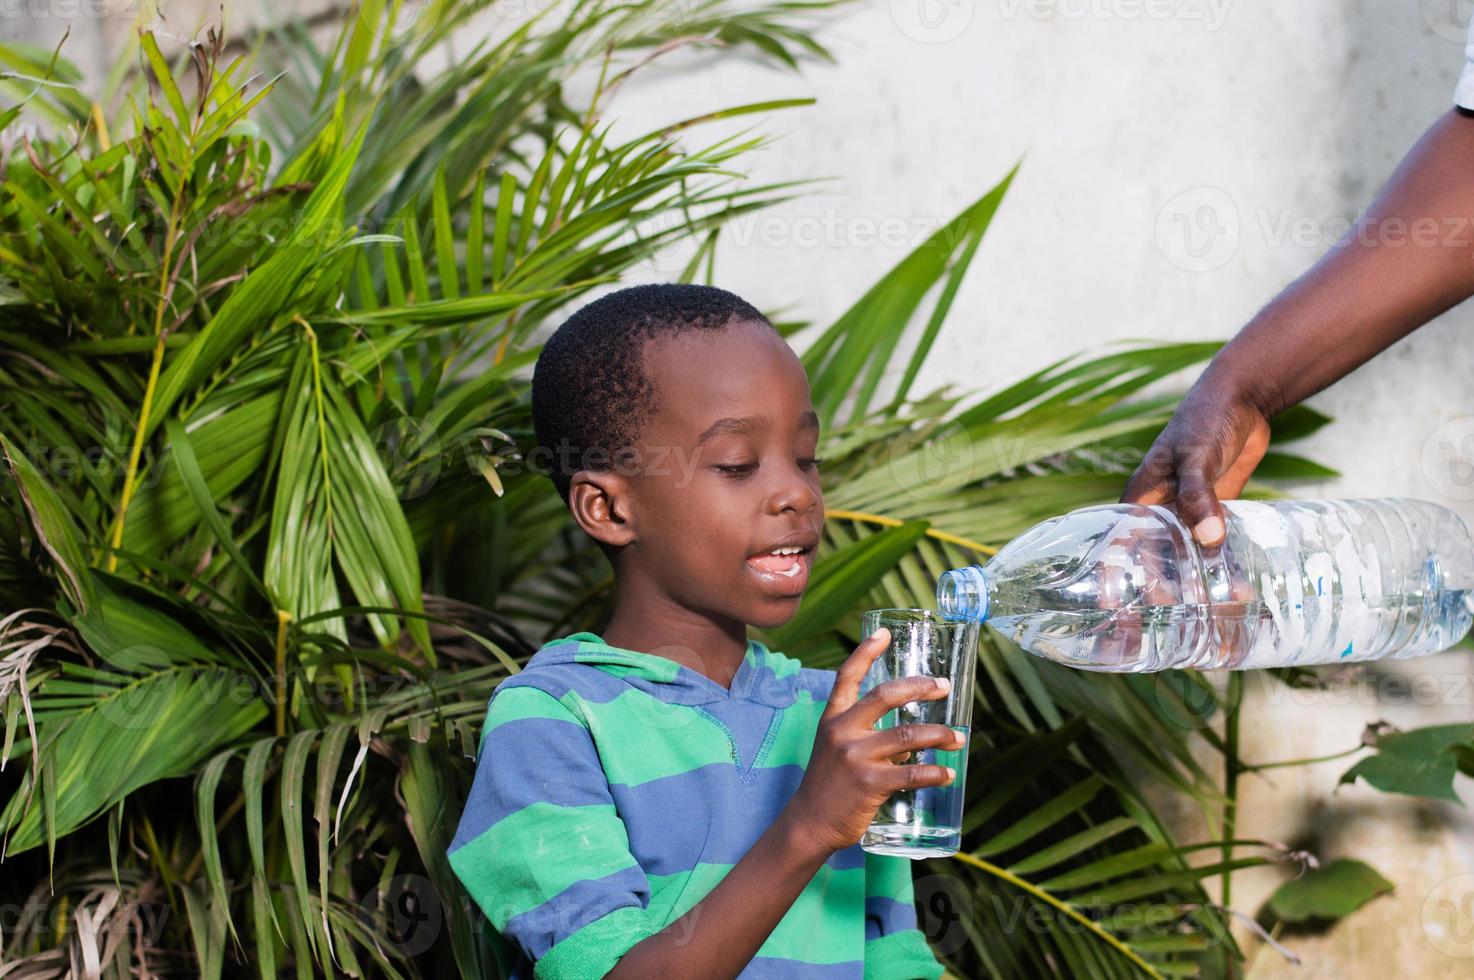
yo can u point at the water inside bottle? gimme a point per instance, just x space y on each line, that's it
1125 588
1239 634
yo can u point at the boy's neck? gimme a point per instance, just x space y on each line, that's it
659 626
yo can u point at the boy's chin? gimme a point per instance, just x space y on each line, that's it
773 613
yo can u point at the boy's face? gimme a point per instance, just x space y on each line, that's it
727 477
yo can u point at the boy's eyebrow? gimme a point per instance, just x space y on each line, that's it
721 426
740 426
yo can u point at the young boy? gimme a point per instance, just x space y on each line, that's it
672 799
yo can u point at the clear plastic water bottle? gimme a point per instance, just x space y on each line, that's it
1124 587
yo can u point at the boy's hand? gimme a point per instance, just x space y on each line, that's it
851 772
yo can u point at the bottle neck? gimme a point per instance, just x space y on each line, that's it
962 594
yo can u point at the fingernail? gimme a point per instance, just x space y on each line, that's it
1209 529
951 774
944 684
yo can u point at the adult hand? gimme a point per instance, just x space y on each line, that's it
1207 451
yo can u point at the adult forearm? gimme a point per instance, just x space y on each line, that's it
719 935
1408 259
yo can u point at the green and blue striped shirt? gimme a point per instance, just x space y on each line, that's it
614 789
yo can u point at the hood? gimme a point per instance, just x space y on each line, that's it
763 675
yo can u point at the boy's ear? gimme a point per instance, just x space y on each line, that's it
601 504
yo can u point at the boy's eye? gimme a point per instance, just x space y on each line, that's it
744 469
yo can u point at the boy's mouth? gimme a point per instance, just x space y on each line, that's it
783 569
787 562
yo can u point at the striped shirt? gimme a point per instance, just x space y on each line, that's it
614 789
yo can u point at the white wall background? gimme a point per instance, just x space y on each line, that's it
1262 127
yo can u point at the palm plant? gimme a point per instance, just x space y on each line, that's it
246 649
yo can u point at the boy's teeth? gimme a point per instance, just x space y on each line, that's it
781 561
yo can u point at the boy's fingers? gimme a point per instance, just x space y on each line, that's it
896 692
846 690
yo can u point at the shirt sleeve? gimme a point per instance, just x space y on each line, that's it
1464 94
540 847
895 947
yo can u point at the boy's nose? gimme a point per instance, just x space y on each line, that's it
795 494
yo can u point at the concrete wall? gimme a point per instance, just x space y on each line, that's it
1182 161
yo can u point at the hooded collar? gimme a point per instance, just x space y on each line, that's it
756 678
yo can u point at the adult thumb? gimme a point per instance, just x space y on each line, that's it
1198 505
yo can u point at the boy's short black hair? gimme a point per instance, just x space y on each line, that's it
590 393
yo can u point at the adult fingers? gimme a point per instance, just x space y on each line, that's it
1197 504
1155 479
1256 444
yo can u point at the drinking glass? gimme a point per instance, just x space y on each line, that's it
925 822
